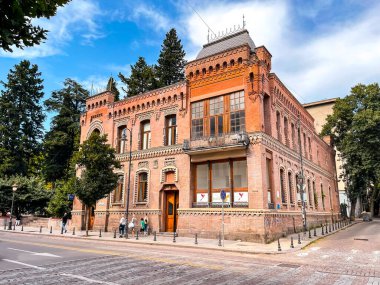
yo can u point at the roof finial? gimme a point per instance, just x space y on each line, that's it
208 35
243 21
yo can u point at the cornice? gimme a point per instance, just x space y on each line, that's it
152 152
229 74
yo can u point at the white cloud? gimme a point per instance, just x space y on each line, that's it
77 18
145 15
321 65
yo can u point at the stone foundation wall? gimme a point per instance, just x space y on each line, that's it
245 225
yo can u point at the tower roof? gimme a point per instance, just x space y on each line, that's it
227 42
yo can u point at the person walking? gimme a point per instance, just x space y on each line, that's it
64 222
122 225
132 224
142 225
18 219
146 229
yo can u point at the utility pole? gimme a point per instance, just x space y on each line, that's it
301 178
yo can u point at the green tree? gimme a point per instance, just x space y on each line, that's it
355 128
142 78
63 138
21 117
59 203
16 26
171 62
112 86
31 195
97 160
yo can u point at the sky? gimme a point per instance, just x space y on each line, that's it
320 48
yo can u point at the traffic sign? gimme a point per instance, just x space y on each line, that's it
223 195
70 197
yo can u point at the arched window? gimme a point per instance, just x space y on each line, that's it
282 186
225 64
145 134
323 197
232 62
142 187
118 192
286 131
217 67
278 126
203 71
210 69
315 196
310 197
290 185
191 75
240 60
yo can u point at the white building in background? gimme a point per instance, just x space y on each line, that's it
320 110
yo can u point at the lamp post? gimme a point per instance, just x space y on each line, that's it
124 139
301 179
14 189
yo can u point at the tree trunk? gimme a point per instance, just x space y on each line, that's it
352 210
87 213
372 207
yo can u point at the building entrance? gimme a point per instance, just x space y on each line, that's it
171 207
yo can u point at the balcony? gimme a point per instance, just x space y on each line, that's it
225 142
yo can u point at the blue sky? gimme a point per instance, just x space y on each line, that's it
320 48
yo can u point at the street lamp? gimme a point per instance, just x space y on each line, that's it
124 139
14 189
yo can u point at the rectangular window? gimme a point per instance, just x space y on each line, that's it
142 187
220 175
237 112
145 134
118 192
170 130
240 174
216 116
197 119
202 177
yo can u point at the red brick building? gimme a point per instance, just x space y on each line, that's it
231 125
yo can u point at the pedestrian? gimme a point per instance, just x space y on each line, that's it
64 222
146 229
122 224
142 225
18 219
132 224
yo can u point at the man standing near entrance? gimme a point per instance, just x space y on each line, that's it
64 222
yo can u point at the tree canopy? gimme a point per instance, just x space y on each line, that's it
355 128
21 117
171 62
16 28
142 78
97 161
63 138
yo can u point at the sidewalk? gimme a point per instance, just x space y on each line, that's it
188 242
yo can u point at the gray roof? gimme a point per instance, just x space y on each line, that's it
225 43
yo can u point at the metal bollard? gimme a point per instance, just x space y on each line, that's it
40 229
154 236
279 246
74 231
291 242
22 228
51 229
323 233
5 225
326 230
100 233
174 234
333 227
114 234
329 228
315 231
309 233
14 227
220 240
62 230
196 239
137 235
299 239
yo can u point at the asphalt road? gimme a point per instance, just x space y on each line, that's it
351 256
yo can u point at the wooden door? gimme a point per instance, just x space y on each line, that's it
171 210
91 218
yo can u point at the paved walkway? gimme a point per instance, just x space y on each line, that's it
299 240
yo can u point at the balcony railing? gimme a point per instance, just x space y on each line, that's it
225 140
219 205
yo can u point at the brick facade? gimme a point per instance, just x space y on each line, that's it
266 147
